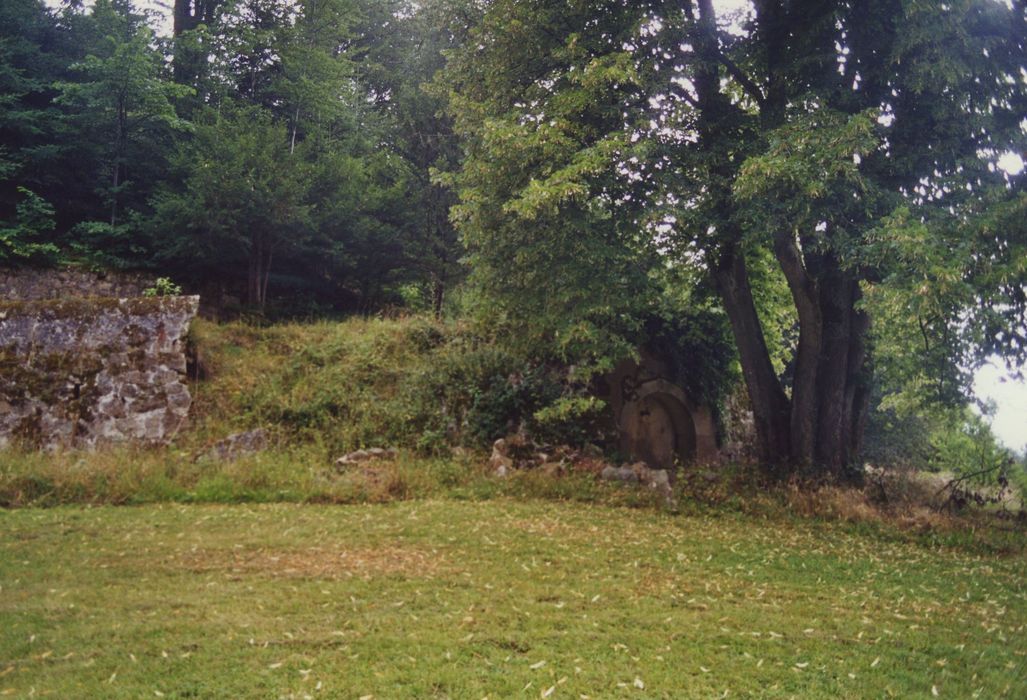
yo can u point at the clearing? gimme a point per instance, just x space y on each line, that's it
448 598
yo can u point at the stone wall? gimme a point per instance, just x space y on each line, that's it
32 284
86 372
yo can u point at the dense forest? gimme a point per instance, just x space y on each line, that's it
822 202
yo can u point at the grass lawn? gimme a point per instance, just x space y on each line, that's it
448 598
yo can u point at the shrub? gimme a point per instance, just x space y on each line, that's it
162 287
572 420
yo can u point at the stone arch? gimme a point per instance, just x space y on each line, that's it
661 426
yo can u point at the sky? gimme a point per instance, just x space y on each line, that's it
1009 423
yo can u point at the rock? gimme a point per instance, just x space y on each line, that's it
238 445
500 447
641 470
84 373
498 463
368 455
552 468
623 474
659 480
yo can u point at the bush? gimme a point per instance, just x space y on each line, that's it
572 420
162 287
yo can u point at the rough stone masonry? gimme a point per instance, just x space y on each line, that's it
86 372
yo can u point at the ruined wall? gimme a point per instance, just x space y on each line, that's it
32 284
86 372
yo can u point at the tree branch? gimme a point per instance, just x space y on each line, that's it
747 83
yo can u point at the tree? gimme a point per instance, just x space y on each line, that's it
121 102
25 240
34 54
810 134
404 46
188 16
242 202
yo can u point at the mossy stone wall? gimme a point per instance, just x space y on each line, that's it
86 372
35 284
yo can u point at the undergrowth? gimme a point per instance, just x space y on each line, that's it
323 389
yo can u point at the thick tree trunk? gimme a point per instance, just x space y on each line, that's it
770 405
836 294
803 286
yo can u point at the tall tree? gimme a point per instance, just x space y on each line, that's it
811 131
403 45
242 203
190 52
121 102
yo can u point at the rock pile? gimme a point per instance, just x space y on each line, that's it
516 452
640 473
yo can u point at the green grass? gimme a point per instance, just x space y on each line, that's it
501 598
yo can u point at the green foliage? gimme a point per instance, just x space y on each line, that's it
162 287
475 392
544 211
966 447
25 239
573 420
604 139
144 147
121 105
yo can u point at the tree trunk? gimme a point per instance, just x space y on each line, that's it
259 270
438 293
770 406
833 369
803 286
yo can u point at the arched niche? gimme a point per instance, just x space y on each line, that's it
661 426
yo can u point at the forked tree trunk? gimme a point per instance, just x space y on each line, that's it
820 425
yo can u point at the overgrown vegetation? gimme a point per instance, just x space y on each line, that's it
323 389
